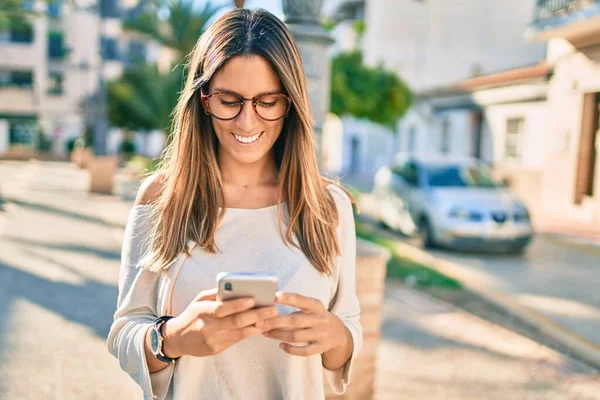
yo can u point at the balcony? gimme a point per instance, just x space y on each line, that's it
577 21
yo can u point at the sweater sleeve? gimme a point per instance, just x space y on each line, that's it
345 302
137 309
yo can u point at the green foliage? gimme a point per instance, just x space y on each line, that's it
182 27
127 146
143 98
366 92
359 26
328 24
402 268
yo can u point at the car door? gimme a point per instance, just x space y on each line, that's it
404 181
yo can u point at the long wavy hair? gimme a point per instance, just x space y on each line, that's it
190 204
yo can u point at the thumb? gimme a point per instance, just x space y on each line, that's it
205 295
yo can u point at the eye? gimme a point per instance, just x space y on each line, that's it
230 103
228 100
268 101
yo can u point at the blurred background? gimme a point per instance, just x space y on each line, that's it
467 130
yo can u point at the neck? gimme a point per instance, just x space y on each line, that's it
258 173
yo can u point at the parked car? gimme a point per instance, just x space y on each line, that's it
451 202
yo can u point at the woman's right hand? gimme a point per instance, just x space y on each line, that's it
208 326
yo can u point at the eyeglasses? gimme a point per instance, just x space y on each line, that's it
228 105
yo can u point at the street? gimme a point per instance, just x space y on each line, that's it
59 262
558 278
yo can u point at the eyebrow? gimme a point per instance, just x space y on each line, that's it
259 94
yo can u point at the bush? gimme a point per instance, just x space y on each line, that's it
44 143
71 144
127 146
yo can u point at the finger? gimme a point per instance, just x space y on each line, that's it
248 318
307 350
295 320
297 300
294 335
204 295
227 308
232 337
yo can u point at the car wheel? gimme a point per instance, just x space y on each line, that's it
426 233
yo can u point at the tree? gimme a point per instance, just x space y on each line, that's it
367 92
144 98
174 23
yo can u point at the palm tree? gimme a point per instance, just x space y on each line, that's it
144 98
239 3
180 28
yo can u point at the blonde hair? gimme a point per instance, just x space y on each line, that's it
188 205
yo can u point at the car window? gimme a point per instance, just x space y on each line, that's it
407 171
410 173
460 176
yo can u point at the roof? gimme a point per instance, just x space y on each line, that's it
531 73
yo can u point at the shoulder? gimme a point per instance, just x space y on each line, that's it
150 189
341 196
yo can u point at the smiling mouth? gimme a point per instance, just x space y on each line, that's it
247 139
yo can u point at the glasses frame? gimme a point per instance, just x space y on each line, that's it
254 100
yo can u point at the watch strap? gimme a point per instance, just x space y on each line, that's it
158 325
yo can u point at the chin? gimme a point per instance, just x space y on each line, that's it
248 157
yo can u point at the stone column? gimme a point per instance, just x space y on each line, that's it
303 19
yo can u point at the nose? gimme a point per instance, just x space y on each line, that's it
247 120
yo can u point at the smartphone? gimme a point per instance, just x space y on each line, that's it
260 287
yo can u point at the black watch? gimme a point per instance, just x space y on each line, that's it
157 340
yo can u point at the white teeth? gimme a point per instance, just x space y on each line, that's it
244 139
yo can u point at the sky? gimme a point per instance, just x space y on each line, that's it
273 6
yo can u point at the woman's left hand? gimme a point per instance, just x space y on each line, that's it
313 324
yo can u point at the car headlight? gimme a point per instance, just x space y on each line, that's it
521 215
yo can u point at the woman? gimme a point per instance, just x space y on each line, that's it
239 191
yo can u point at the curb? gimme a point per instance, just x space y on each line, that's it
579 346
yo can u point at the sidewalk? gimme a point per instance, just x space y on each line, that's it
58 274
432 350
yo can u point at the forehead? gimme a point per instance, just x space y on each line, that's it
247 76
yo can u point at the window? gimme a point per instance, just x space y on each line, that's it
445 145
109 8
136 52
21 32
514 132
110 48
4 34
408 172
5 78
56 48
412 138
460 176
54 8
22 79
55 83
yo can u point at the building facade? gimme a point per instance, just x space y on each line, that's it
50 69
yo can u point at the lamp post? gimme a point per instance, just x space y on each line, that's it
100 120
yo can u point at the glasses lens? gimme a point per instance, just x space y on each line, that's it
272 106
224 105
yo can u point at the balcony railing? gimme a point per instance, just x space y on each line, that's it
550 9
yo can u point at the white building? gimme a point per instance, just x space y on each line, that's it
433 45
50 65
